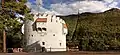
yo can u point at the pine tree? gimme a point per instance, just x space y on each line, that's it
8 21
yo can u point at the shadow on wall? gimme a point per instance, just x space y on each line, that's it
35 47
34 26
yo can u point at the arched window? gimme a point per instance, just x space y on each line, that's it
44 29
43 43
39 29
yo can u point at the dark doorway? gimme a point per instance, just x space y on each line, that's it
43 49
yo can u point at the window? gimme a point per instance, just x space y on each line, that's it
53 34
51 19
43 23
32 35
60 44
43 43
39 29
44 29
39 23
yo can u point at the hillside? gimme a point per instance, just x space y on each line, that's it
95 31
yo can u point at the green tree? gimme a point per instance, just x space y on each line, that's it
10 23
95 31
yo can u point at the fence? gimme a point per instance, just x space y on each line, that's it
35 49
45 49
14 49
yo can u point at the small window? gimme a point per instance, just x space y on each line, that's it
60 44
43 43
39 29
53 34
51 19
32 35
44 29
43 23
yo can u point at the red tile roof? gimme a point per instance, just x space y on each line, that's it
41 20
65 26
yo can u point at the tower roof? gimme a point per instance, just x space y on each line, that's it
41 20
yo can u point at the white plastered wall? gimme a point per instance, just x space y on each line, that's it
53 38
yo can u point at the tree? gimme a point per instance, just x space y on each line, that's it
9 21
95 31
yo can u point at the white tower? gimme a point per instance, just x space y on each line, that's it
47 32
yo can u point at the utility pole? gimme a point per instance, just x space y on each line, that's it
4 33
73 36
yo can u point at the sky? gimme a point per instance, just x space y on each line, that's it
67 7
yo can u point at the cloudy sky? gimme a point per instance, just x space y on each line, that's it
67 7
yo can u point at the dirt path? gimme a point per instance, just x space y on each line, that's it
65 53
93 53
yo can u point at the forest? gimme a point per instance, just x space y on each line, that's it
94 31
10 24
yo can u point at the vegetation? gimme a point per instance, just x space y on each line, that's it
95 31
9 22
